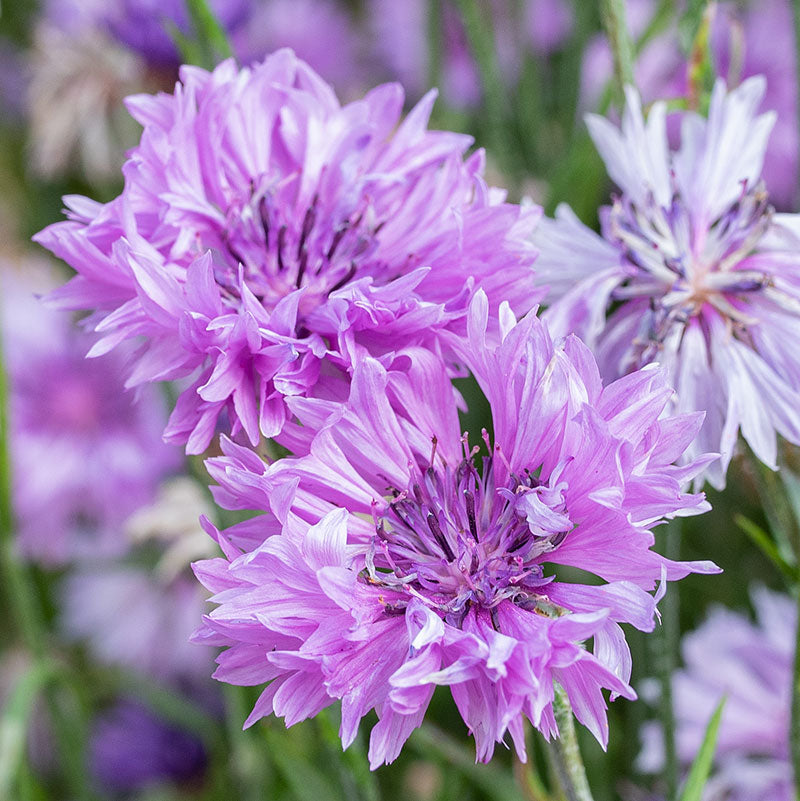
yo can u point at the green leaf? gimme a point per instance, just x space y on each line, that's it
765 544
701 767
210 34
14 723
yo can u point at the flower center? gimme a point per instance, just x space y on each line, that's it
280 250
457 537
684 266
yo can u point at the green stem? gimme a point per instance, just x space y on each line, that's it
615 23
566 753
664 653
480 35
794 735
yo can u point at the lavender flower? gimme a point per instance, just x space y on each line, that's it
401 561
85 456
750 664
700 272
267 235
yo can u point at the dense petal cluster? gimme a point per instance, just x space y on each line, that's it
85 455
750 664
401 559
266 235
693 270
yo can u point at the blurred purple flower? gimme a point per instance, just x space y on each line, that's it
751 665
320 32
85 454
97 603
142 26
401 42
267 236
402 563
130 748
701 274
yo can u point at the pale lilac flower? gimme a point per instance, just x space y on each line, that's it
267 235
751 665
693 270
96 604
404 561
85 454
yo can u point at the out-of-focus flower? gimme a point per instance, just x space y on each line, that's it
751 665
172 521
134 619
131 748
701 274
78 80
402 42
85 454
267 235
320 32
403 562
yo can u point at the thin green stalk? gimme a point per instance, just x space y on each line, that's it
794 734
616 25
480 35
435 38
19 597
664 654
565 752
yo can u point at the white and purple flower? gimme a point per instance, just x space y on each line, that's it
694 270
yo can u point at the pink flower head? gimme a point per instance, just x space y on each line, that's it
401 560
267 234
85 455
751 665
701 274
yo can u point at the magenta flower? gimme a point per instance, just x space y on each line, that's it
701 274
751 665
85 455
400 561
267 235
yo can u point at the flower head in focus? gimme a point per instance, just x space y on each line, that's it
267 235
85 454
402 559
751 665
693 270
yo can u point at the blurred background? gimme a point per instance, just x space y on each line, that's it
102 518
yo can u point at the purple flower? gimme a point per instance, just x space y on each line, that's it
401 561
701 274
267 235
130 748
320 32
142 26
751 665
85 455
